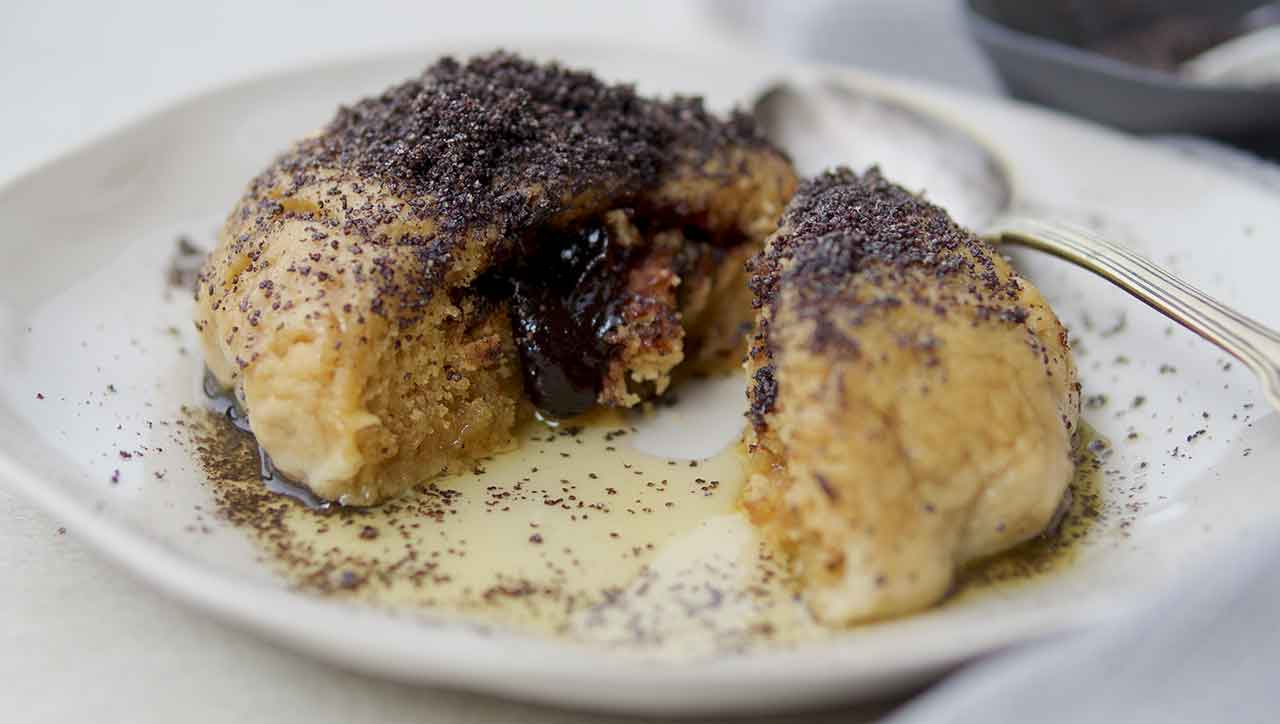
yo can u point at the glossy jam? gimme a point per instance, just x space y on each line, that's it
565 299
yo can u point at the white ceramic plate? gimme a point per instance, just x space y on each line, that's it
83 306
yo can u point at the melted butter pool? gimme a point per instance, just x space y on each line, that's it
573 533
577 534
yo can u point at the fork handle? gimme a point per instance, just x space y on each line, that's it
1249 341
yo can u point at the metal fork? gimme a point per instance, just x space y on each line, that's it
1249 341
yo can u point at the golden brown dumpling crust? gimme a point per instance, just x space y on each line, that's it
913 399
360 297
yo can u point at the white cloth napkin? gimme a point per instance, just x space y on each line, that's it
1209 651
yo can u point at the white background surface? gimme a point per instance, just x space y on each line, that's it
81 641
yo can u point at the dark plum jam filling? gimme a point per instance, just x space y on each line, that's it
566 295
568 291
